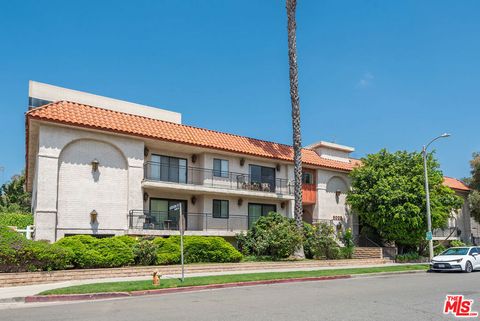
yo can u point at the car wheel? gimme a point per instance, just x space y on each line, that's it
468 267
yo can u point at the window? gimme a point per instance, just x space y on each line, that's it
263 175
220 167
255 211
307 178
473 251
36 102
168 169
220 209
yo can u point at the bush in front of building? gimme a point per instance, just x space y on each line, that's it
408 257
273 235
20 220
145 252
91 252
210 249
206 249
168 250
323 243
115 252
17 254
276 237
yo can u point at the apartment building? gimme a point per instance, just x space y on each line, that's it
101 166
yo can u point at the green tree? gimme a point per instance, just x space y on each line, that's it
13 197
297 138
474 183
388 195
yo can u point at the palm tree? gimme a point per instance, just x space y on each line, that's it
297 137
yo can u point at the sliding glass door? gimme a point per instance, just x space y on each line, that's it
168 169
162 217
263 175
255 211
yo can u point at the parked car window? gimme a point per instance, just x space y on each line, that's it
456 251
474 251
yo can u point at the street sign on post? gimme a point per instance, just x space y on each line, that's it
181 227
429 236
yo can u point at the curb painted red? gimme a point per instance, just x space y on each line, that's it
112 295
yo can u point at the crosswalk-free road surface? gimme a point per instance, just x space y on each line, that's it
416 297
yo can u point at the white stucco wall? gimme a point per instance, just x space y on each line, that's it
67 190
328 204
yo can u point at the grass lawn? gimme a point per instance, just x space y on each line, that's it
219 279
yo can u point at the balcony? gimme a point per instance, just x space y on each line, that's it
309 194
208 178
141 222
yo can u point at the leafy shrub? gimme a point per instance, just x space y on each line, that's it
347 239
90 252
456 243
82 255
210 249
115 252
168 250
145 252
17 254
308 240
273 235
47 257
407 257
128 240
196 249
323 244
19 220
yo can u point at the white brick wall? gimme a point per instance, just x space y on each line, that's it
67 190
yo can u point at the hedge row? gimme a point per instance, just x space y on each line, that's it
90 252
19 220
18 254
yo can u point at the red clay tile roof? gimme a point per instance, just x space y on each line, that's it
454 183
80 115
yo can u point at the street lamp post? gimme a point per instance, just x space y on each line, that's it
427 193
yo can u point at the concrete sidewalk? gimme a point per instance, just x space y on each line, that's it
17 293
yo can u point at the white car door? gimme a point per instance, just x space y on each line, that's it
474 257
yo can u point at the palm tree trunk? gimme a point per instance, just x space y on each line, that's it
297 138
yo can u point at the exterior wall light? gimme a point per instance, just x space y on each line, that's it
278 167
95 164
240 201
194 158
282 204
146 151
193 200
242 161
337 193
145 196
93 216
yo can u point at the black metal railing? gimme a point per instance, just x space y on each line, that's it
164 221
154 171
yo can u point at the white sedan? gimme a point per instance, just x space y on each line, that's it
464 259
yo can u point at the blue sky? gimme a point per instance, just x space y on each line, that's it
373 74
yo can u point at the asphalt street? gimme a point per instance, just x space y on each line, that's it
397 297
